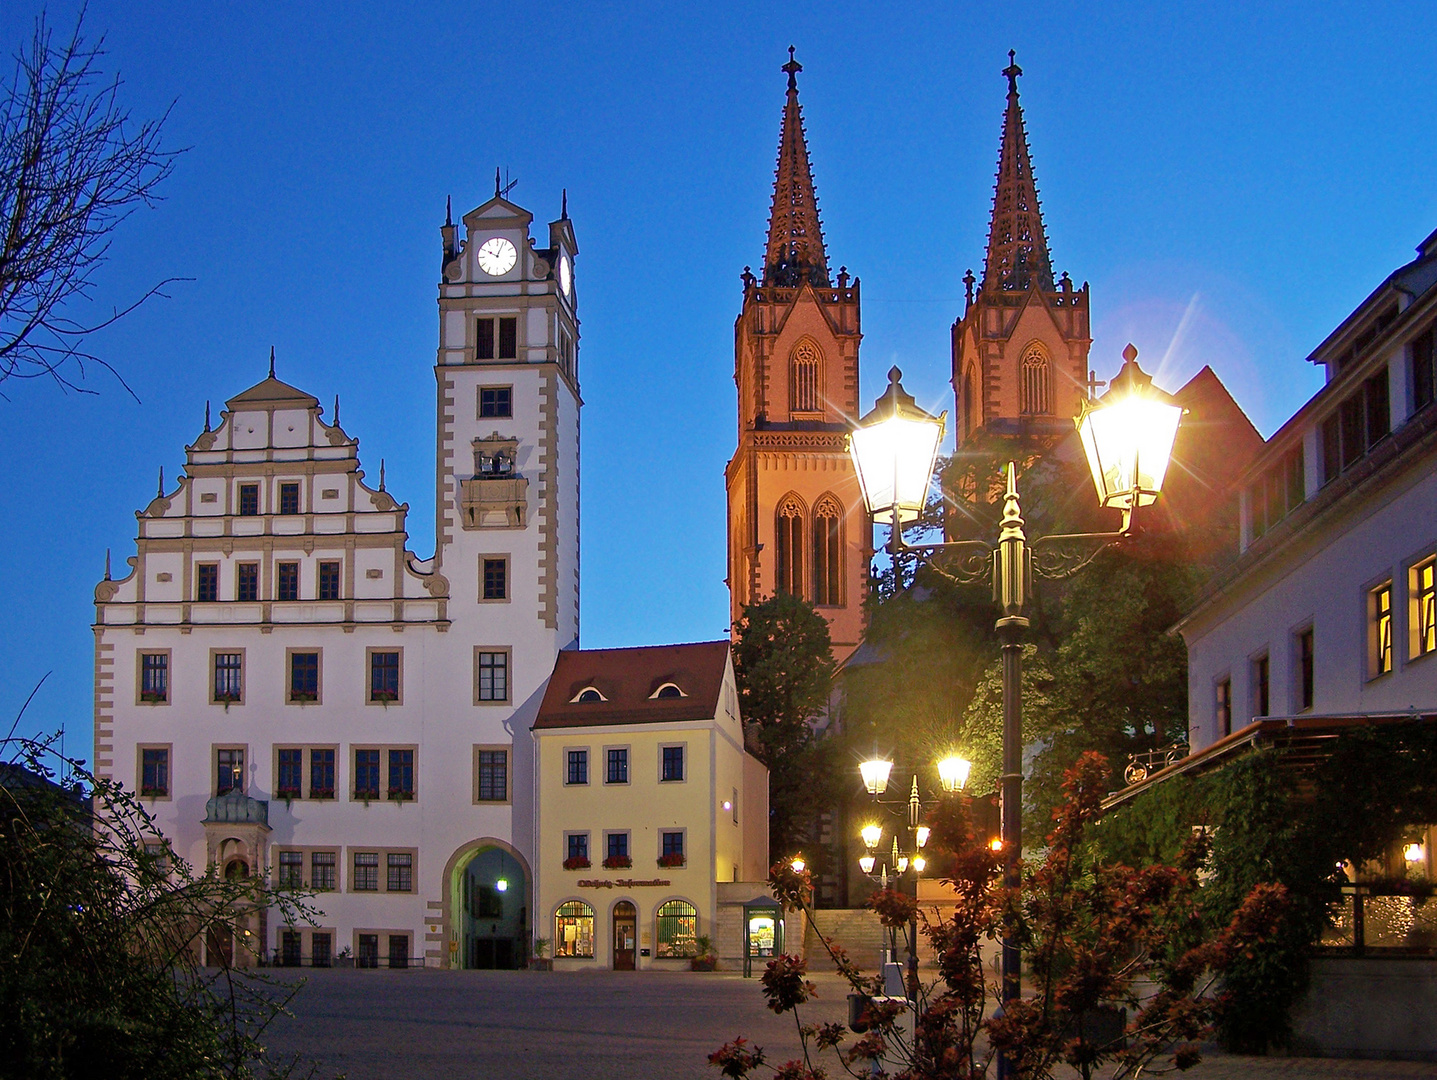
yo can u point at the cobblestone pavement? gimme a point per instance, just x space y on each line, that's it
519 1025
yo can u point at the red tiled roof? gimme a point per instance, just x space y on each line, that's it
627 678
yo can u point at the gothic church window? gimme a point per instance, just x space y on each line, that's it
789 545
1037 384
827 552
804 365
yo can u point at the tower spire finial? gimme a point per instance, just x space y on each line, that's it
207 415
448 210
564 206
795 235
271 361
1017 244
162 482
336 410
496 181
381 474
107 564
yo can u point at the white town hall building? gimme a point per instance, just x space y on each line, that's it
291 691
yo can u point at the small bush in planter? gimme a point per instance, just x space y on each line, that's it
540 962
705 959
618 862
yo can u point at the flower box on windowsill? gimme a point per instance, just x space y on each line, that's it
618 862
287 794
397 794
384 696
302 696
155 697
227 699
578 862
670 862
366 794
151 792
321 793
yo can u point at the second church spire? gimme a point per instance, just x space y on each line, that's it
795 237
1017 245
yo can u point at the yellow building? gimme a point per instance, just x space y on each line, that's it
647 801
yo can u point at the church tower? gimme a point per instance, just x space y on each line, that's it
1020 350
796 521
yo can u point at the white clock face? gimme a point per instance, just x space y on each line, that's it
566 275
497 256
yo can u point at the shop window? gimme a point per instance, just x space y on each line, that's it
574 930
676 929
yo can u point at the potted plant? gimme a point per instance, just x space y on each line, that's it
540 962
705 959
400 794
670 861
618 862
366 794
344 959
576 862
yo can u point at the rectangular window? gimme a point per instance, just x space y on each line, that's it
1260 687
401 774
383 676
673 845
1305 688
321 947
329 581
578 767
321 774
508 338
484 345
304 676
398 950
366 872
207 582
229 676
401 872
1222 707
249 500
617 845
577 845
288 581
289 498
1424 371
1331 449
1379 632
155 772
159 856
1379 414
1423 617
155 677
618 766
291 952
368 954
496 579
291 772
229 771
323 871
291 869
495 401
492 676
493 775
1350 415
247 581
673 763
366 774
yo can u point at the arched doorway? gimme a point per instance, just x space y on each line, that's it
626 919
491 915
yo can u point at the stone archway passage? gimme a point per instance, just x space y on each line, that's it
493 921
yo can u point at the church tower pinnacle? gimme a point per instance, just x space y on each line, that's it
1020 349
796 522
795 235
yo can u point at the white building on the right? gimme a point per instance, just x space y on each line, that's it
1331 607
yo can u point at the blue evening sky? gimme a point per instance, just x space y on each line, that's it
1231 179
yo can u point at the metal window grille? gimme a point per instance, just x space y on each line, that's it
401 872
399 950
291 869
329 581
493 775
368 956
366 872
207 582
676 929
320 949
322 871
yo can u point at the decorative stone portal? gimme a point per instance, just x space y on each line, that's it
490 911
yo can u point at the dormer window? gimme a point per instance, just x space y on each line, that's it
587 696
668 690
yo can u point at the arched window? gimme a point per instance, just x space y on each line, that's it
574 929
804 363
790 547
668 690
969 420
678 925
1037 377
587 696
827 552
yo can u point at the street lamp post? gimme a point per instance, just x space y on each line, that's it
1127 438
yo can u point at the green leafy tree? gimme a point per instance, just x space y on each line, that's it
784 666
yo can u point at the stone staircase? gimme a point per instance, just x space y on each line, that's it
856 929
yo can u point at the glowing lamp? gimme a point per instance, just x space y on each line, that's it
893 450
922 832
866 864
798 864
502 885
953 771
871 835
1128 436
920 863
902 863
1414 853
995 844
875 775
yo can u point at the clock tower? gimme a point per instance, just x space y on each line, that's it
796 520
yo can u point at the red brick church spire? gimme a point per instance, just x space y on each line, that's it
795 236
1017 246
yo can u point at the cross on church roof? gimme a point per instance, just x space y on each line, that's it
793 67
1012 71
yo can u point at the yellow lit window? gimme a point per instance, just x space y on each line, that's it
1380 632
1424 608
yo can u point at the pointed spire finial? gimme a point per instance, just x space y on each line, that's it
564 206
207 415
793 67
162 482
1012 71
107 564
448 210
336 410
496 181
381 474
271 361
